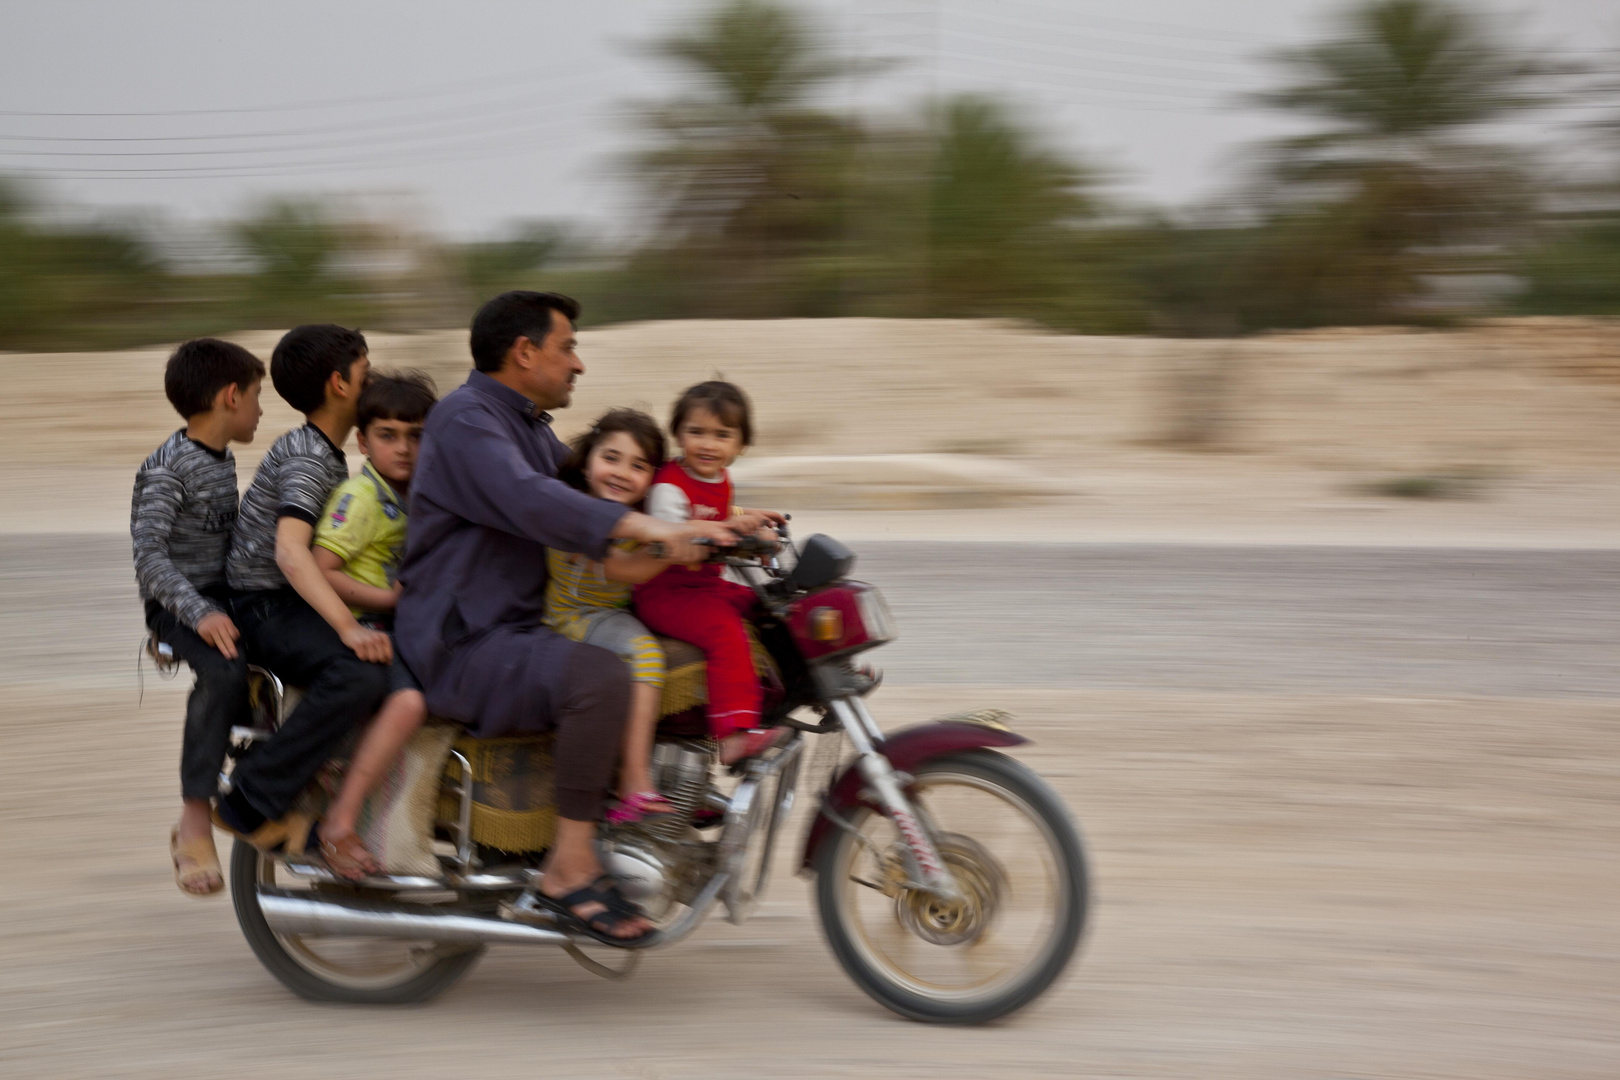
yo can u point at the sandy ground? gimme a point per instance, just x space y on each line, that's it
1350 813
1287 886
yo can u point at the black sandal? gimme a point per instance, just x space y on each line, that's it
616 910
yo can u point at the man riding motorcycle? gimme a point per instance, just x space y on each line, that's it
485 505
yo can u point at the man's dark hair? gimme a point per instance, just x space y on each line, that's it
511 315
395 395
638 425
305 358
201 368
726 400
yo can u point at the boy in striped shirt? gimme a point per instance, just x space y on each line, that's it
292 622
181 516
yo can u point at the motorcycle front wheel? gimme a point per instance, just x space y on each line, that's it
354 971
1019 867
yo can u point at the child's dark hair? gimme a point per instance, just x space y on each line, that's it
405 395
201 368
638 425
725 400
305 358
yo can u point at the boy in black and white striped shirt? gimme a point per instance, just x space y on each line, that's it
292 622
180 522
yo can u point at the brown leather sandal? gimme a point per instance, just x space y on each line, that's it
203 862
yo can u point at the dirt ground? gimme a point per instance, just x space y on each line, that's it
1309 878
1285 887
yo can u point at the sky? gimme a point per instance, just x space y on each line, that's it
471 115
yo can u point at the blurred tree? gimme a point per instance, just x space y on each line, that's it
89 286
493 266
1576 270
1393 185
296 247
749 181
1000 212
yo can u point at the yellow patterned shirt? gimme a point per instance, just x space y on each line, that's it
364 525
580 599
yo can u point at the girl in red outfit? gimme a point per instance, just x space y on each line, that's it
694 603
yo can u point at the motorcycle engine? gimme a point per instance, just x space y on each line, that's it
641 873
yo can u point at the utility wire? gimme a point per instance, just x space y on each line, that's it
473 111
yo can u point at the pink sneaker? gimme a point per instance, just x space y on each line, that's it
639 807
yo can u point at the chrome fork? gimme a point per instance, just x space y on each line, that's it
922 857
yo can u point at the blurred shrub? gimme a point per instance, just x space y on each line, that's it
1575 270
85 287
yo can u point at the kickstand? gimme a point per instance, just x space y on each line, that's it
595 967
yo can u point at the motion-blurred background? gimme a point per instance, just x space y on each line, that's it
1176 169
1232 390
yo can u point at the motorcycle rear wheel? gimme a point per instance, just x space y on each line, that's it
1017 858
374 972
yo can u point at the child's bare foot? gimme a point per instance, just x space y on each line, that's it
345 854
740 745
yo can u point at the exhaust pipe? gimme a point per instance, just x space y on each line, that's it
297 915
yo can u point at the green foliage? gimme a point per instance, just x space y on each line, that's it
1392 186
494 266
1575 271
84 287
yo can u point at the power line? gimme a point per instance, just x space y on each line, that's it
412 119
431 90
428 131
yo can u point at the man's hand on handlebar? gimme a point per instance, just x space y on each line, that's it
687 542
372 645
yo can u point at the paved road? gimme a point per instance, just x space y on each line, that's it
1419 622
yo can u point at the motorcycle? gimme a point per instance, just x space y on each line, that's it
950 880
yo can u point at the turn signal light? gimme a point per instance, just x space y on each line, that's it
827 624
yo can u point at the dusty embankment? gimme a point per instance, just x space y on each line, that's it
1282 438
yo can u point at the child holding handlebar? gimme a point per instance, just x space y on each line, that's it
695 604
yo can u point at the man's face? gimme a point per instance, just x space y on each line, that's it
549 369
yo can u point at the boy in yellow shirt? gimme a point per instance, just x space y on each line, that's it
359 543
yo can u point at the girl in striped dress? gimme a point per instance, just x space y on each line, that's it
589 601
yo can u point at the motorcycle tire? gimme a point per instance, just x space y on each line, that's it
835 859
419 986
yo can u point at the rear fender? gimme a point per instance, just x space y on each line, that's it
906 749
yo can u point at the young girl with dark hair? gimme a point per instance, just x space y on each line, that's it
589 601
712 426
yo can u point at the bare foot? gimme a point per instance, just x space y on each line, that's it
345 854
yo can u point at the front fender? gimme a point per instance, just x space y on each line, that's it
906 749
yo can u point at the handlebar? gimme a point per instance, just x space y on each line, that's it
746 547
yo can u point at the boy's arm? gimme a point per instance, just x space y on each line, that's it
158 494
297 563
357 594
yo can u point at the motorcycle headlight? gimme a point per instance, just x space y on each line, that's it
875 615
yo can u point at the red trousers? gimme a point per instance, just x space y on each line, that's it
708 613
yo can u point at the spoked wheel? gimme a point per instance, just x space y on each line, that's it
1018 865
360 971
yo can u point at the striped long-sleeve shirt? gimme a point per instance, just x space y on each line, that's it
297 474
180 522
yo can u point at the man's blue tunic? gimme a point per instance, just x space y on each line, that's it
485 503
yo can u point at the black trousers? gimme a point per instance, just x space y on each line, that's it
218 702
341 691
